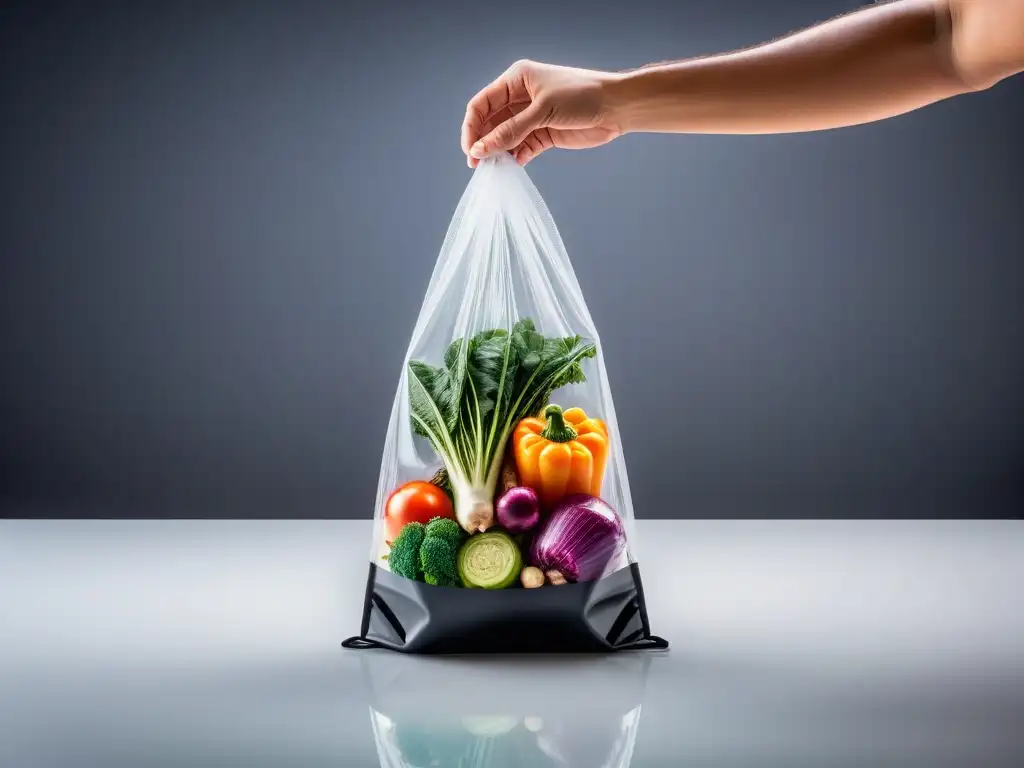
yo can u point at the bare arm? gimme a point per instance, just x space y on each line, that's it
883 60
880 61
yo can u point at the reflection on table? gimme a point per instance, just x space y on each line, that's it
502 713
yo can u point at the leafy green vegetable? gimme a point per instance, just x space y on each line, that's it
469 407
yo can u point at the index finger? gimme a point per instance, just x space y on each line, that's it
488 101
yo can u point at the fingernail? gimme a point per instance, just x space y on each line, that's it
477 150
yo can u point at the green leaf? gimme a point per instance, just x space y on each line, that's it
469 406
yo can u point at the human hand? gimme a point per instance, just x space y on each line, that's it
533 107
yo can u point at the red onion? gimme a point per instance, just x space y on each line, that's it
580 537
518 509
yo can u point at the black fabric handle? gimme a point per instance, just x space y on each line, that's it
652 643
359 643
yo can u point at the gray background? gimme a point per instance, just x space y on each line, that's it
217 221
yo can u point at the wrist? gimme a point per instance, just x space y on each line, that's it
635 100
617 97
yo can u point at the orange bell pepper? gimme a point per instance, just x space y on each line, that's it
561 454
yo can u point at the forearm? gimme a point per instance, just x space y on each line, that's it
881 61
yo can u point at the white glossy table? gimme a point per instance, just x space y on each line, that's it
216 643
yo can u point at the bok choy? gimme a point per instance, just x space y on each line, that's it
469 407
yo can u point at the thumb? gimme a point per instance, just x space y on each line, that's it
510 133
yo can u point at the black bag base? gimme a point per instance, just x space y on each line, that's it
601 616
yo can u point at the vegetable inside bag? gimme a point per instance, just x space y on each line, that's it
503 517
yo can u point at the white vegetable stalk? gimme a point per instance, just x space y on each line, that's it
474 500
474 508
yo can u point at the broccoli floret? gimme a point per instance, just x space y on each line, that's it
404 558
438 557
439 552
445 528
428 552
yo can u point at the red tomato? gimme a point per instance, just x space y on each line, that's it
415 502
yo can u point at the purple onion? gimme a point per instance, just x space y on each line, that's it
579 539
518 509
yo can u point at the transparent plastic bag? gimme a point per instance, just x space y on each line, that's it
503 387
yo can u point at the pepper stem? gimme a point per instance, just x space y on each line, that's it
557 430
